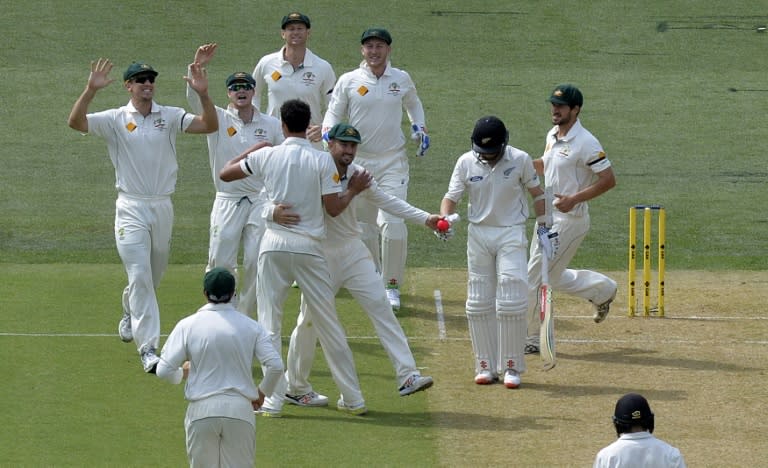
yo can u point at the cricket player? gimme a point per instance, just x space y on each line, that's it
214 349
495 177
352 267
371 98
141 140
305 180
576 167
636 446
236 215
294 72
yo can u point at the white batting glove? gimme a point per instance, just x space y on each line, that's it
419 135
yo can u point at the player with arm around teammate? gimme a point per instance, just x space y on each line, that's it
141 141
576 167
352 267
495 176
301 178
236 215
215 349
371 98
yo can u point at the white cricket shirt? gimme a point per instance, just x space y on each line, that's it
297 174
498 196
222 346
570 164
344 227
374 106
312 83
639 450
142 149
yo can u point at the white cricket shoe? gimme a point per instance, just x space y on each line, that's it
486 377
415 383
149 360
268 412
357 409
393 294
511 378
308 399
601 310
124 328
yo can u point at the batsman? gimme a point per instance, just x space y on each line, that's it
496 176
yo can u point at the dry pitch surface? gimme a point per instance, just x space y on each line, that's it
703 369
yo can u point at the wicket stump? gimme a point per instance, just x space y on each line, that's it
632 272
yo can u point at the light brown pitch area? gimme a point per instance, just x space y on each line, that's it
703 368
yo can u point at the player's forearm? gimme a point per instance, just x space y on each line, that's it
208 116
77 116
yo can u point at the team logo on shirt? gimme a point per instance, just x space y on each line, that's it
336 177
308 78
476 178
564 151
276 75
231 131
507 172
260 134
131 126
362 90
394 89
159 123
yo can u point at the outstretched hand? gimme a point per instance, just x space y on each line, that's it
98 78
359 181
204 53
197 79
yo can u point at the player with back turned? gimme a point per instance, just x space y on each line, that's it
496 177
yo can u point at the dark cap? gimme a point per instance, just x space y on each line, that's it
139 68
567 94
344 132
490 135
240 77
378 33
295 17
219 285
632 409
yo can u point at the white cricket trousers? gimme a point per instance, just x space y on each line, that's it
586 284
391 173
277 271
143 227
220 442
236 219
352 268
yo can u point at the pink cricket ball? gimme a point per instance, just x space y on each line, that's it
443 225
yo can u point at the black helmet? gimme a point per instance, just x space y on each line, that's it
632 410
490 136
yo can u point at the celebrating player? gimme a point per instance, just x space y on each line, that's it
237 210
496 176
351 267
575 166
141 139
294 72
305 180
371 98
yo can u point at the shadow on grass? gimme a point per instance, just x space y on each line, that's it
644 357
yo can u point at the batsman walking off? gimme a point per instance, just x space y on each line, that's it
496 177
141 139
575 166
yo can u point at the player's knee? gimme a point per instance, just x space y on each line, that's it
479 295
512 295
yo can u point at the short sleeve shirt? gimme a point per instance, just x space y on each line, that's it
570 164
142 149
497 195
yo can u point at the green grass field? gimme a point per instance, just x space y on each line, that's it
672 89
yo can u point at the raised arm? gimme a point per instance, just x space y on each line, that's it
206 122
97 79
203 56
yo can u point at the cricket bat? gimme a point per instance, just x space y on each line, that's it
547 329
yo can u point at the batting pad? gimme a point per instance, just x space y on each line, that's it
511 316
481 321
394 248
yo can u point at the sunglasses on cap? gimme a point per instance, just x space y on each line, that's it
143 79
240 86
